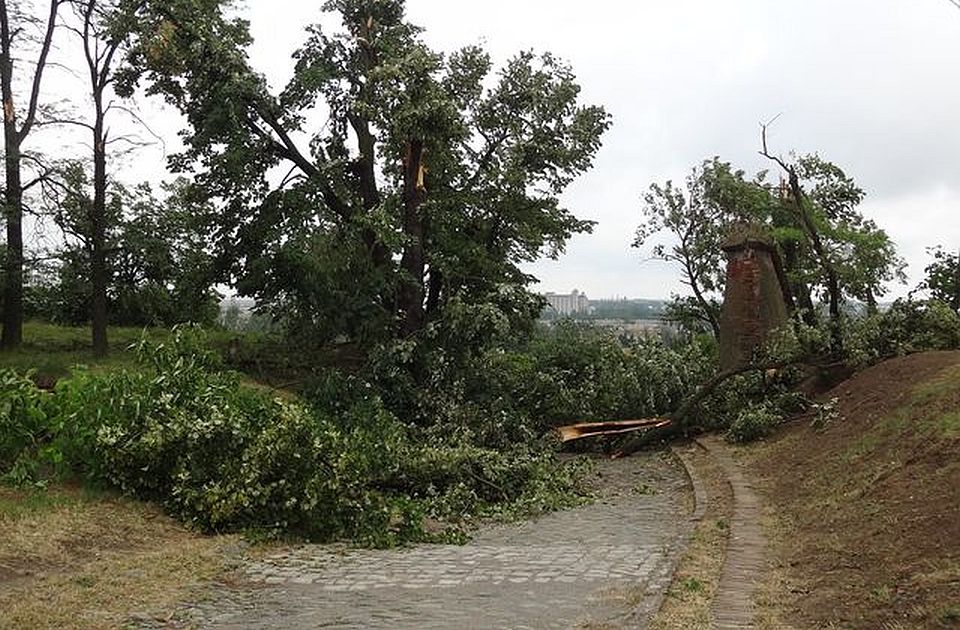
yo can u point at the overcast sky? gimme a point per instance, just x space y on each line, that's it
873 86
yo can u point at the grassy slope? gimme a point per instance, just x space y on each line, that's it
54 351
867 527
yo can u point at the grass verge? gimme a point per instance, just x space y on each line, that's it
74 558
687 604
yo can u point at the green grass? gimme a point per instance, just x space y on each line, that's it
947 421
53 352
19 503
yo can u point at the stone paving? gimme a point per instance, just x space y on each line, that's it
744 566
605 565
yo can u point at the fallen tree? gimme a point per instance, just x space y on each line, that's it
679 421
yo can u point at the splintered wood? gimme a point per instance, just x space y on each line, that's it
593 429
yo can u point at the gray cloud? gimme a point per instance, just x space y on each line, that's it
869 84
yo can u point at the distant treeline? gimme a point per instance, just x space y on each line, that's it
624 308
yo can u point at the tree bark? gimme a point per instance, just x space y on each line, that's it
955 301
872 306
413 262
99 274
99 66
434 291
14 135
12 335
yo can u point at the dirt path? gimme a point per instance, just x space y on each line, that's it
605 565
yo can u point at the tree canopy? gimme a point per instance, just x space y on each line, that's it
813 216
385 180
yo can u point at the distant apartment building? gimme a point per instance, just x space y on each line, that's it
565 305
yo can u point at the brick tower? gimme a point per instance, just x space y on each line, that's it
753 302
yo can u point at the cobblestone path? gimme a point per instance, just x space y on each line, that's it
605 565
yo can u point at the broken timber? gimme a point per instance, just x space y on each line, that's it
573 432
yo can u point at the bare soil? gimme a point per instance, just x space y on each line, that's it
866 507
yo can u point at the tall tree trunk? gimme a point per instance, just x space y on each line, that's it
13 136
955 301
99 275
413 262
12 335
434 291
872 307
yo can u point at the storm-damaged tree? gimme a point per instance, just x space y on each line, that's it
25 44
386 181
697 221
847 255
826 249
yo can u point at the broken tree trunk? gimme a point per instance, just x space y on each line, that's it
573 432
675 422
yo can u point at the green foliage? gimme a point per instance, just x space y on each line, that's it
511 392
338 465
754 422
699 218
943 277
580 373
718 200
747 406
157 256
24 419
351 244
907 326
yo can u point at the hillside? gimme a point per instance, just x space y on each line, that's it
867 507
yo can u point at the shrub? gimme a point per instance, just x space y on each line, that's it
25 414
339 465
754 422
907 326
